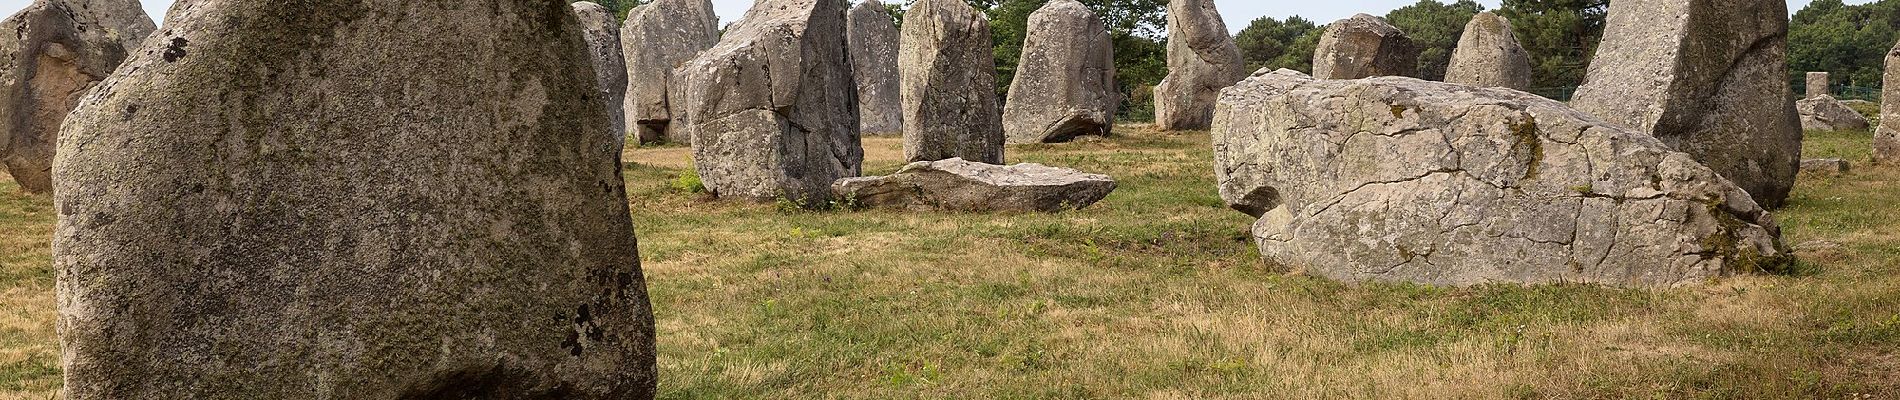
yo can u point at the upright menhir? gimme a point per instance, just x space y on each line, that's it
350 199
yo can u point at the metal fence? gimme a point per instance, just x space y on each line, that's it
1842 92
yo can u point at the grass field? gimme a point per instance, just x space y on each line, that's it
1157 293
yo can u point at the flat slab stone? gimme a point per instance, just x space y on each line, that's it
960 185
1824 113
1399 179
1826 166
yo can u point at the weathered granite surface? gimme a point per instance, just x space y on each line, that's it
1399 179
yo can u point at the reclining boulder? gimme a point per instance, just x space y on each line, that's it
959 185
1399 179
1825 113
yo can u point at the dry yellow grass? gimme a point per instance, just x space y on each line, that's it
1155 293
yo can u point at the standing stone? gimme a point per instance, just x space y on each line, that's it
772 110
610 67
1887 135
949 84
873 40
657 38
1364 46
1399 179
1065 86
1817 85
1488 55
51 54
349 199
1202 60
1711 82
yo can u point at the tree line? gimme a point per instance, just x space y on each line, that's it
1851 41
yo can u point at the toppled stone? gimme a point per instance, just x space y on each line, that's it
1826 166
51 54
610 67
1398 179
1887 136
772 109
276 200
660 36
1364 46
959 185
949 84
1065 86
1202 60
1488 55
1824 113
1817 85
873 41
1710 81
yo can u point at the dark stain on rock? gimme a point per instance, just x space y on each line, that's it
175 50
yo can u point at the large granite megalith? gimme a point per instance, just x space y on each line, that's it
349 199
657 38
1065 84
51 54
602 31
1488 55
1399 179
772 109
873 39
949 84
1711 82
1887 135
1364 46
1202 60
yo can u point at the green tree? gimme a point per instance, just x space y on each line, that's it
1434 27
1271 43
1560 35
1850 42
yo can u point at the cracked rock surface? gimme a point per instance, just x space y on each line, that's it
657 38
948 84
1202 60
51 54
1364 46
959 185
1065 86
1825 113
772 110
1398 179
602 31
874 59
1710 79
349 199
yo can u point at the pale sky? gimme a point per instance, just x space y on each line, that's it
1237 12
